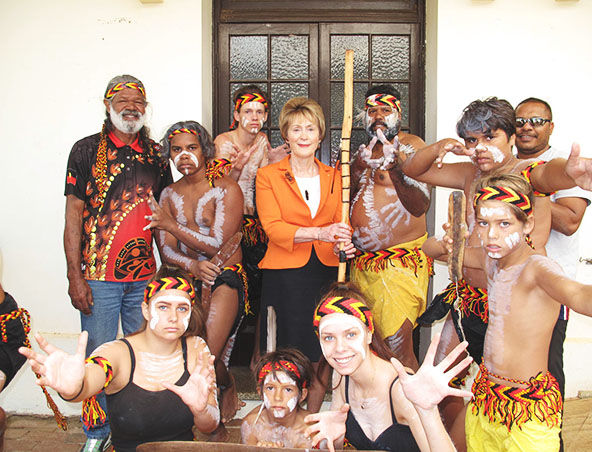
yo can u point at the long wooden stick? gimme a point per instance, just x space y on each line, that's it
346 127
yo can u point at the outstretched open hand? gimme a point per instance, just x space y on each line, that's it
58 370
429 386
327 425
451 145
579 168
195 393
159 218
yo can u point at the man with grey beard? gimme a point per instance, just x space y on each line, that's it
388 217
109 179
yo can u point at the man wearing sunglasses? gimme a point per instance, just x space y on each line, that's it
534 126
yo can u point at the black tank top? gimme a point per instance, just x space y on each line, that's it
138 416
396 438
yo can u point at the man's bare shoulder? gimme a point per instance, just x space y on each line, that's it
224 137
412 141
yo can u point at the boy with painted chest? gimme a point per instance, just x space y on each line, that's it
488 128
516 404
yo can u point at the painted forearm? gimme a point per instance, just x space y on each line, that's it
421 161
207 420
414 195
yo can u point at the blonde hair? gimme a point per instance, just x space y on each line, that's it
517 183
306 107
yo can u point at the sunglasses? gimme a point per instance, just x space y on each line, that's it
534 122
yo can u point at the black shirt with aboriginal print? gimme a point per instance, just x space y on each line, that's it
115 183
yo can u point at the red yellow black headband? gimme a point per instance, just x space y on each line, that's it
170 282
383 99
504 194
279 366
340 305
245 99
133 85
182 130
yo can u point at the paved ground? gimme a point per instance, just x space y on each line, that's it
41 434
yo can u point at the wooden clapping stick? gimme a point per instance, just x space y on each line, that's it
457 222
346 127
458 228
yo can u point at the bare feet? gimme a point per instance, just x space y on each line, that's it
229 401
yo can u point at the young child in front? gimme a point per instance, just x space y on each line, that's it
516 405
283 378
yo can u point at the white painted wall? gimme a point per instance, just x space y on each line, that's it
515 50
57 57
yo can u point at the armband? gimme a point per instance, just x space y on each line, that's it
526 174
105 364
217 168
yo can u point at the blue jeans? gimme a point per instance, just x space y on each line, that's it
111 299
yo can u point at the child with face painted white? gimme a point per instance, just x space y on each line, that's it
517 404
488 129
159 382
283 378
376 405
196 216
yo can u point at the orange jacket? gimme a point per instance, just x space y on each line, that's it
282 211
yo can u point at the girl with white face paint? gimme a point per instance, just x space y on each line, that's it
195 217
283 378
160 381
376 405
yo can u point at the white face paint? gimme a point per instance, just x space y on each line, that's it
154 319
177 301
390 120
188 154
489 212
496 154
283 379
512 240
494 255
339 324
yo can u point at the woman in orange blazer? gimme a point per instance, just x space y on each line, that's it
299 205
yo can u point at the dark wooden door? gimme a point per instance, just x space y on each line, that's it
307 59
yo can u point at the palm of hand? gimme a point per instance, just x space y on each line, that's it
63 372
334 423
426 388
196 392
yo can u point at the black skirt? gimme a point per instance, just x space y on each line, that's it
294 294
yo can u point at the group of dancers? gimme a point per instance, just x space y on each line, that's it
172 374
